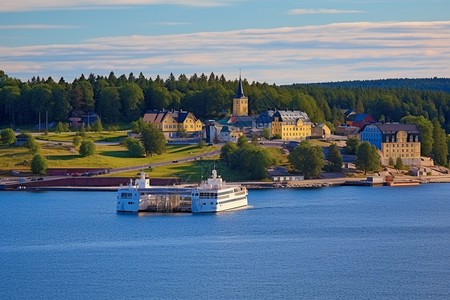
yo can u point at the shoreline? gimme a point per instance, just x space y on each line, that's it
308 183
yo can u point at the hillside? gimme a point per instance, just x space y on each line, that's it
431 84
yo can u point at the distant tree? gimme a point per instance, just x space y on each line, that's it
425 127
265 133
439 144
135 147
59 127
183 132
242 140
39 164
359 107
87 148
335 158
255 139
391 161
8 136
367 158
307 159
399 164
351 146
31 143
138 125
276 137
97 126
153 140
76 142
226 152
201 144
88 128
331 126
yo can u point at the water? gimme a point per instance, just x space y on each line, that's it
340 242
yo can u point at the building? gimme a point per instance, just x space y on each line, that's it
172 123
359 120
394 140
281 174
320 131
348 131
291 125
240 101
228 135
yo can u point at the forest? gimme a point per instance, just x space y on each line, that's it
119 99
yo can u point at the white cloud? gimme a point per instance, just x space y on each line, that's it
306 11
32 5
332 52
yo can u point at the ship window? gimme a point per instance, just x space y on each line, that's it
212 203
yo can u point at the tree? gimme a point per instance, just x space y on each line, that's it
59 127
76 142
226 152
307 159
87 148
335 158
439 144
351 146
97 126
31 143
242 140
132 100
38 164
399 164
201 144
8 136
265 133
153 140
109 106
135 147
138 126
425 127
367 158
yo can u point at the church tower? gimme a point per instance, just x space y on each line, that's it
240 102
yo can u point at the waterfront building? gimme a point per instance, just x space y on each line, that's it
394 140
172 123
291 125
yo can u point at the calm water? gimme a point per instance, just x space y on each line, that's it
342 242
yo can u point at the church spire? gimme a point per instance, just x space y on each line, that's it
240 89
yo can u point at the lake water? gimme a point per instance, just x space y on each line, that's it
339 242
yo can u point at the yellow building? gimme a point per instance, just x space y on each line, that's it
171 123
240 101
395 141
291 125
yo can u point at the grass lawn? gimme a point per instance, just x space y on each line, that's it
193 171
105 136
107 156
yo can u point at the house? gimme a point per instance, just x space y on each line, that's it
348 131
320 131
291 125
228 135
281 174
394 140
79 119
359 120
265 119
172 123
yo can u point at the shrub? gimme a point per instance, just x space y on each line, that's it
39 164
87 148
8 136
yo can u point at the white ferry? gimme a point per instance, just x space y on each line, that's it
212 195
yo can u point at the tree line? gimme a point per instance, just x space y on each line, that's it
127 98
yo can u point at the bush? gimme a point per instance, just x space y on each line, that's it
87 148
134 146
76 142
201 144
39 164
8 136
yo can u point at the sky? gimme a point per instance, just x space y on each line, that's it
273 41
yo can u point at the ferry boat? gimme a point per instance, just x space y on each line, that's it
212 195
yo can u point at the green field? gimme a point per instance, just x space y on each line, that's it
107 156
106 136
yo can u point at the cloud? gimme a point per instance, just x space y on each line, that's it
32 5
306 11
341 51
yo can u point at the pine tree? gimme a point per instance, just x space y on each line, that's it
439 144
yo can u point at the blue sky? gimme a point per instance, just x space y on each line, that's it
272 41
